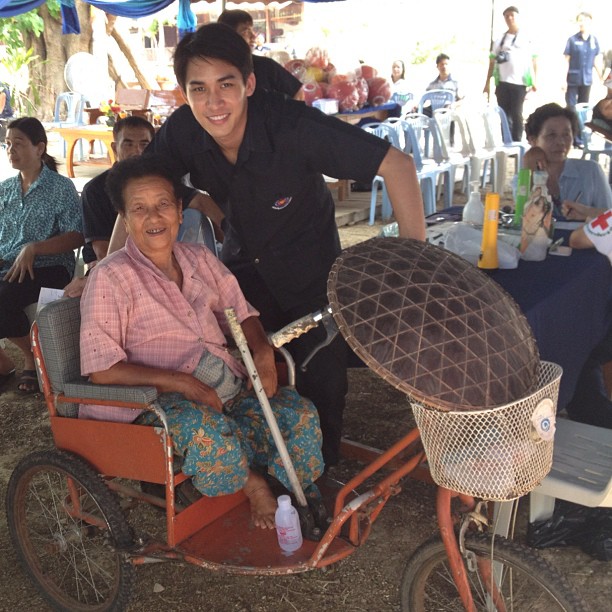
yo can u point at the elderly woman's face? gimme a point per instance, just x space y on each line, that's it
152 214
555 138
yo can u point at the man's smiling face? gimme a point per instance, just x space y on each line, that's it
218 96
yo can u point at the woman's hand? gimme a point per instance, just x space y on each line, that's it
164 381
535 159
23 264
196 391
574 211
75 287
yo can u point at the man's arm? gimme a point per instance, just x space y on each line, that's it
579 240
402 184
100 248
534 74
487 86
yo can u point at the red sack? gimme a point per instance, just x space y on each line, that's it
347 95
380 91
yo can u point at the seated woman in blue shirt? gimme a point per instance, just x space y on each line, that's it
40 226
578 187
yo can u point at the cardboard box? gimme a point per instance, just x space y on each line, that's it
328 105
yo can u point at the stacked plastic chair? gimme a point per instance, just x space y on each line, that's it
492 115
416 129
387 132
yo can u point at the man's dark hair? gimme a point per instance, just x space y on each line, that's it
142 166
132 121
214 41
235 18
441 57
536 120
510 9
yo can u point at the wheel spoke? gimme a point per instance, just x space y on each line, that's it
65 524
524 582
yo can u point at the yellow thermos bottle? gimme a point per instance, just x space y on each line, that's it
488 259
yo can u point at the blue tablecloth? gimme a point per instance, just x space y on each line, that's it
566 301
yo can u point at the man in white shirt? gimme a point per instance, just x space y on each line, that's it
514 64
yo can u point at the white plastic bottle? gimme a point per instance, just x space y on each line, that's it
287 525
473 211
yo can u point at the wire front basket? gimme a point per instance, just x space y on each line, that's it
496 453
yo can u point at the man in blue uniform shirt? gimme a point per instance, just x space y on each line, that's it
261 156
583 54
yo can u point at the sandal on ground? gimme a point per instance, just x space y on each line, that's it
4 378
28 382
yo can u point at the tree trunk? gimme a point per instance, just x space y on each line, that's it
140 77
53 49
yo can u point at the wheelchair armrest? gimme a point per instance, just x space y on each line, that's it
120 393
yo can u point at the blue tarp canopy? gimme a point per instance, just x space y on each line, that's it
186 20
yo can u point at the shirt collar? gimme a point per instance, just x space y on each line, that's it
39 179
186 265
570 169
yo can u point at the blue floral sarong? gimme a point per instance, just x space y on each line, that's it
220 448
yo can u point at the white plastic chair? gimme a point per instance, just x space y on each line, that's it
483 161
503 150
581 472
457 155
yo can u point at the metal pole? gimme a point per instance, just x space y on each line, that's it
243 347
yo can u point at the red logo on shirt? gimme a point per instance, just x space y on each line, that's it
602 221
282 203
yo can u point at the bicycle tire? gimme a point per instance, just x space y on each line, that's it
529 583
75 564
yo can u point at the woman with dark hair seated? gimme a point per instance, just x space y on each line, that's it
152 313
601 121
40 226
578 187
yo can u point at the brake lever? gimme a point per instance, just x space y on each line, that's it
331 330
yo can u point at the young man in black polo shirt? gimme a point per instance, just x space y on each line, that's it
261 157
269 74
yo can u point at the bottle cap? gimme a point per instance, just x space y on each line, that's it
284 501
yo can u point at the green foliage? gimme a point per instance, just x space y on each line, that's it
18 60
25 96
11 28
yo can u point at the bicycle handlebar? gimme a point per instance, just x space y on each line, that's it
299 327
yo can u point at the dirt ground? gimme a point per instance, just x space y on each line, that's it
367 581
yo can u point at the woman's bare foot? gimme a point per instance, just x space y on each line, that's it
263 503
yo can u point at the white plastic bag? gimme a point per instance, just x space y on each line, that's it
465 240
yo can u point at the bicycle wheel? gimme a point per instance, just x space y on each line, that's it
71 554
527 582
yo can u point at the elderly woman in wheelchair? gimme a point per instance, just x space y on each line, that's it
153 313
